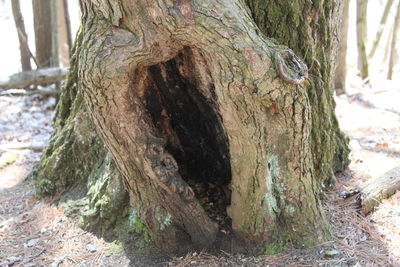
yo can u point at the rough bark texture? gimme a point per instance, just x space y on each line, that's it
315 40
341 66
43 32
362 38
187 92
76 158
22 37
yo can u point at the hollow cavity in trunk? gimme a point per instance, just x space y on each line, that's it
180 97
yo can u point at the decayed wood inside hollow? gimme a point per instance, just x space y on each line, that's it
179 96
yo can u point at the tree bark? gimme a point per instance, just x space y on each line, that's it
382 24
393 44
315 39
189 94
75 158
362 38
341 66
42 14
22 37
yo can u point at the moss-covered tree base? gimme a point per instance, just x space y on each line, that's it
76 166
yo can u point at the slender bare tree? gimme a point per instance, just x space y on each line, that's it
22 36
381 27
341 69
67 23
393 43
362 38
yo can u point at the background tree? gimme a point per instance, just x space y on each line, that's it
191 96
64 30
381 27
393 43
55 55
22 36
67 23
362 38
42 20
341 69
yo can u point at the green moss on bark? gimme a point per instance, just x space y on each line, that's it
314 40
76 163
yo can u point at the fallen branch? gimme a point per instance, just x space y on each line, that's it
34 77
378 188
33 147
22 92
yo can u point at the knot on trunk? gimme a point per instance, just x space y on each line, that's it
290 67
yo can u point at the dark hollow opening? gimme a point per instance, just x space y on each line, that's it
187 119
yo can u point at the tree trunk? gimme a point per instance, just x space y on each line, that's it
67 24
382 24
43 32
387 46
55 55
211 125
64 31
341 66
362 38
22 37
393 44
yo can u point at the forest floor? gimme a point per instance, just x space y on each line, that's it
36 232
